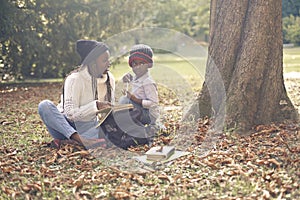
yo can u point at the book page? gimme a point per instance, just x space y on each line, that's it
104 113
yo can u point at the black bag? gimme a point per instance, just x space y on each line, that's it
123 129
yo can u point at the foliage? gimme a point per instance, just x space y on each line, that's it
38 37
262 166
290 7
291 29
290 21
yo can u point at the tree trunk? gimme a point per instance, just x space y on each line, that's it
244 83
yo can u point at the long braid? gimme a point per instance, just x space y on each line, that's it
109 88
95 88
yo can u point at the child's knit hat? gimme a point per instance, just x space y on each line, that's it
141 52
90 50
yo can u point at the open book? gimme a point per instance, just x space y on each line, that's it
104 113
160 153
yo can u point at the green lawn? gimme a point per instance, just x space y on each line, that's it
194 68
184 77
170 69
291 59
168 65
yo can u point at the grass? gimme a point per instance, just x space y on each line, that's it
169 67
194 68
238 167
191 70
291 59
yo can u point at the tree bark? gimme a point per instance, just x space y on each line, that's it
244 83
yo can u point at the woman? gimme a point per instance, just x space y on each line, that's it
86 90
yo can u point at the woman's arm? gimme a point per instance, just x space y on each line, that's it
73 92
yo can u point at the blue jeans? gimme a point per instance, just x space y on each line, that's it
60 127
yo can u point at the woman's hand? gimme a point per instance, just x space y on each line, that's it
102 105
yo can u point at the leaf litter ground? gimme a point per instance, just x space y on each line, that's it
264 165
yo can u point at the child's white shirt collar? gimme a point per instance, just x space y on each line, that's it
145 76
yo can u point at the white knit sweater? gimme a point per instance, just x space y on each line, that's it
79 101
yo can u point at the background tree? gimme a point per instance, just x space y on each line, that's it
246 50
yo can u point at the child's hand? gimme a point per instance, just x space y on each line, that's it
134 98
127 78
128 94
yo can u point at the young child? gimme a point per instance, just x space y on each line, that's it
143 95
